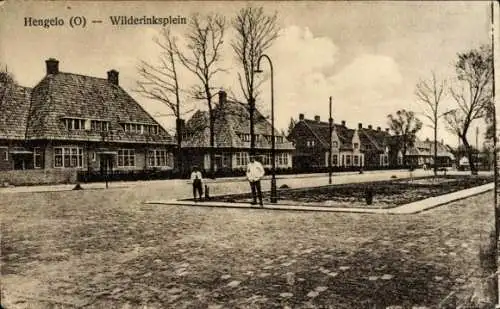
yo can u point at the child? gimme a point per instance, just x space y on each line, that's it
197 179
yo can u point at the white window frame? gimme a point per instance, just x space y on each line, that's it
72 152
70 123
129 154
241 159
155 158
35 154
335 160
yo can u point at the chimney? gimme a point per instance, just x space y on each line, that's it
379 129
52 66
113 77
222 97
301 116
370 127
360 125
343 123
317 118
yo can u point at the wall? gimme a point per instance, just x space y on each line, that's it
37 177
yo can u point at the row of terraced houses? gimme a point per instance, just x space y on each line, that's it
70 123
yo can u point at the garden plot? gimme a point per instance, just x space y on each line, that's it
385 194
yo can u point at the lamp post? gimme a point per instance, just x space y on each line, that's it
274 197
330 127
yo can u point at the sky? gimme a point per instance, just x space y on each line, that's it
368 56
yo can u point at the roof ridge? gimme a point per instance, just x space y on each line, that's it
372 140
83 75
315 134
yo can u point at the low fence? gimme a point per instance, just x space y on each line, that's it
37 177
135 175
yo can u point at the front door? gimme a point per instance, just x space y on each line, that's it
105 163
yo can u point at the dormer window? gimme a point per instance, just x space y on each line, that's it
279 139
335 144
244 137
99 125
355 145
139 128
74 123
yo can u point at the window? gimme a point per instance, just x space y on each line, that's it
335 144
386 160
37 157
282 159
356 160
241 158
94 156
310 143
99 125
266 159
244 137
355 145
348 160
153 129
74 124
335 160
126 158
68 157
159 158
279 139
5 153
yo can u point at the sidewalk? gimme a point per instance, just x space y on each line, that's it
411 208
128 184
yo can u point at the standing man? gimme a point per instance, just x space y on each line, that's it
197 179
255 172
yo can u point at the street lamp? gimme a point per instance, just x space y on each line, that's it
330 129
274 196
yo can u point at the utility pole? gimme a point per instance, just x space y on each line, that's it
495 163
330 126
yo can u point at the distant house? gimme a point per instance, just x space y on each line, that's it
232 138
70 122
350 147
422 153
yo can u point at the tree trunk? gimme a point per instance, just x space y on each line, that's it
178 157
252 126
212 142
435 149
470 156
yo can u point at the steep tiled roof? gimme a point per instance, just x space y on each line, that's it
378 139
322 130
14 110
426 148
77 96
231 119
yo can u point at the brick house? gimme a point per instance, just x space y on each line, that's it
70 122
422 153
232 138
350 147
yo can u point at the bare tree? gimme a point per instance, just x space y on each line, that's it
204 41
7 83
405 126
472 94
255 33
430 94
161 83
